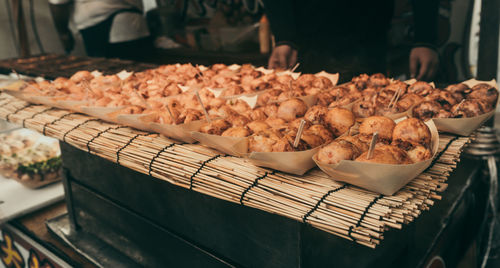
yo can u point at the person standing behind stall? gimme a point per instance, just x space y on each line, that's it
109 28
349 37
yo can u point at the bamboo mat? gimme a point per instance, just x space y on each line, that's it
341 209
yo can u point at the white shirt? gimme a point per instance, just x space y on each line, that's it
126 26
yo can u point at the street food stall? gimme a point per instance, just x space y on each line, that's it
371 172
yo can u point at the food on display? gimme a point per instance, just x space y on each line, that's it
406 142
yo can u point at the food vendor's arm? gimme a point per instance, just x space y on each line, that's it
424 59
281 17
61 10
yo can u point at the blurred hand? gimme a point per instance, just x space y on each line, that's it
424 63
283 57
67 41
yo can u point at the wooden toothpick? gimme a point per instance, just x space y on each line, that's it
372 146
299 133
203 107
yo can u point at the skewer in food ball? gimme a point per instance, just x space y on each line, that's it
469 108
337 151
292 109
381 124
381 156
427 110
484 92
420 88
410 133
339 120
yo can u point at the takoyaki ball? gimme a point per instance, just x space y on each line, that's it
238 132
362 146
443 114
363 109
257 114
268 97
410 133
337 151
275 122
378 80
427 110
444 98
258 126
381 124
316 114
406 101
381 156
322 82
419 153
385 111
458 91
265 141
238 121
321 131
324 98
398 153
420 88
216 127
468 108
291 109
361 81
339 120
396 86
484 92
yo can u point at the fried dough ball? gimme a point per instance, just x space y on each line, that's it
362 146
316 114
258 126
410 133
381 124
443 97
363 109
458 91
419 153
239 132
408 100
378 80
321 82
468 108
398 153
337 151
380 156
257 114
189 115
421 88
271 110
484 92
324 98
291 109
268 141
305 80
443 114
216 127
275 122
307 141
238 121
320 131
427 110
397 85
361 81
339 120
383 110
